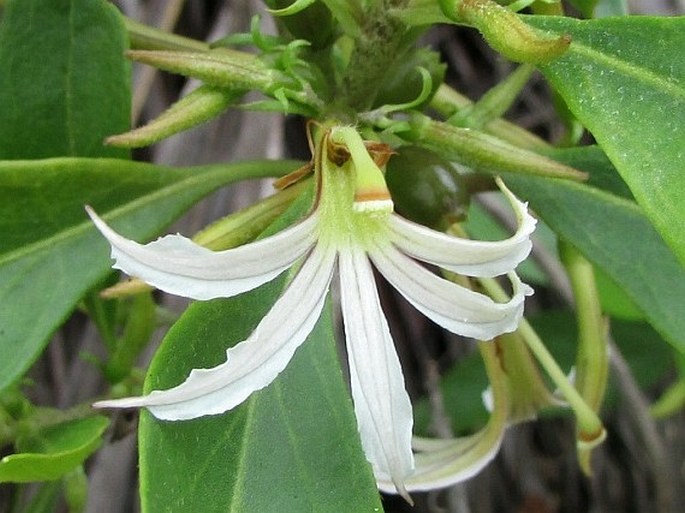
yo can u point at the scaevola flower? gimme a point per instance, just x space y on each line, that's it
351 225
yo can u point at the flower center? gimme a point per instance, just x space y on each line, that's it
354 201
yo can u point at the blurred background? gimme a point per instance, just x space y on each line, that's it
638 469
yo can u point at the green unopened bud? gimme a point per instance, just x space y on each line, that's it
222 67
505 31
144 37
199 106
483 152
449 102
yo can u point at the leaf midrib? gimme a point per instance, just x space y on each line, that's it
631 69
216 178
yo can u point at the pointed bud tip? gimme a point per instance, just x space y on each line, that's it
118 141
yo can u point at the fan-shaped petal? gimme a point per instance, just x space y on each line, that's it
452 306
177 265
381 403
254 363
465 256
448 462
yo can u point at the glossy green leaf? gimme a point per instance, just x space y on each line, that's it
50 254
52 452
624 79
292 446
614 234
65 83
614 301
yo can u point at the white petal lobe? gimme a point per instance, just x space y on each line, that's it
451 461
177 265
452 306
254 363
382 406
465 256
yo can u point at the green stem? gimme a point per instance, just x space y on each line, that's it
47 417
671 402
376 48
498 382
140 324
76 489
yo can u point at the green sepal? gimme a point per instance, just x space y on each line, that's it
222 67
199 106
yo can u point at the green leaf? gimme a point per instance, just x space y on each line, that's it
292 446
624 79
53 451
51 255
613 233
65 84
614 301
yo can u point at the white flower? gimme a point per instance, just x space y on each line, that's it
352 223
